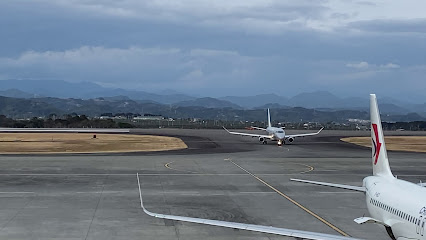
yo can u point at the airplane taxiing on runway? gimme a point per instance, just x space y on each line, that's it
396 204
274 134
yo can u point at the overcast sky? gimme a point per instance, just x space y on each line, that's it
220 47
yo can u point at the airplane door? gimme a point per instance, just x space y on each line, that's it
418 226
420 229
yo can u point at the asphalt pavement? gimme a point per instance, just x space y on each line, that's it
95 196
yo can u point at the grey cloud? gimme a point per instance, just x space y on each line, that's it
390 66
149 68
358 65
365 65
391 26
201 48
205 71
343 16
248 16
192 9
368 3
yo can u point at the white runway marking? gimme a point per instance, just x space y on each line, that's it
340 192
193 174
183 193
16 192
103 192
257 192
212 194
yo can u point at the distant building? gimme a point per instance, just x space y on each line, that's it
355 120
105 117
120 117
148 118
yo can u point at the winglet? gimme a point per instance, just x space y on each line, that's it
320 130
269 119
225 128
140 197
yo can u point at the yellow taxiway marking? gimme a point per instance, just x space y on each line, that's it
167 165
310 167
293 201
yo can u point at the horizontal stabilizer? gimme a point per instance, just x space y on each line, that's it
349 187
362 220
421 184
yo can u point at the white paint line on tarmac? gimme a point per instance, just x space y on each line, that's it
340 192
192 174
16 192
103 192
257 192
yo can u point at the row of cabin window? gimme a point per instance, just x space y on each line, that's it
396 212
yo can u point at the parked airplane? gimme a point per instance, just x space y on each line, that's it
274 134
396 204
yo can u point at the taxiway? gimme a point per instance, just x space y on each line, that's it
219 177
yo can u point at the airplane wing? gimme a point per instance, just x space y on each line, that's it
248 134
243 226
304 134
258 128
348 187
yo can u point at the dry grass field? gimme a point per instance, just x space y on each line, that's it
396 143
30 143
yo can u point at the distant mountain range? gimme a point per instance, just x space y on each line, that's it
319 100
44 106
208 102
83 90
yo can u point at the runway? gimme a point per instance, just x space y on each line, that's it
219 176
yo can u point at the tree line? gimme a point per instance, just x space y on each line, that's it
69 121
82 121
409 126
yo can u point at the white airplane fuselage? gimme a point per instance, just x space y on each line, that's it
277 134
398 204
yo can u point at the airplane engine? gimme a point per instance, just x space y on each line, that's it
261 139
290 140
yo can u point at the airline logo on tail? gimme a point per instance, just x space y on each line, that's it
377 145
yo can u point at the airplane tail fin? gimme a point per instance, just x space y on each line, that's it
379 153
269 119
